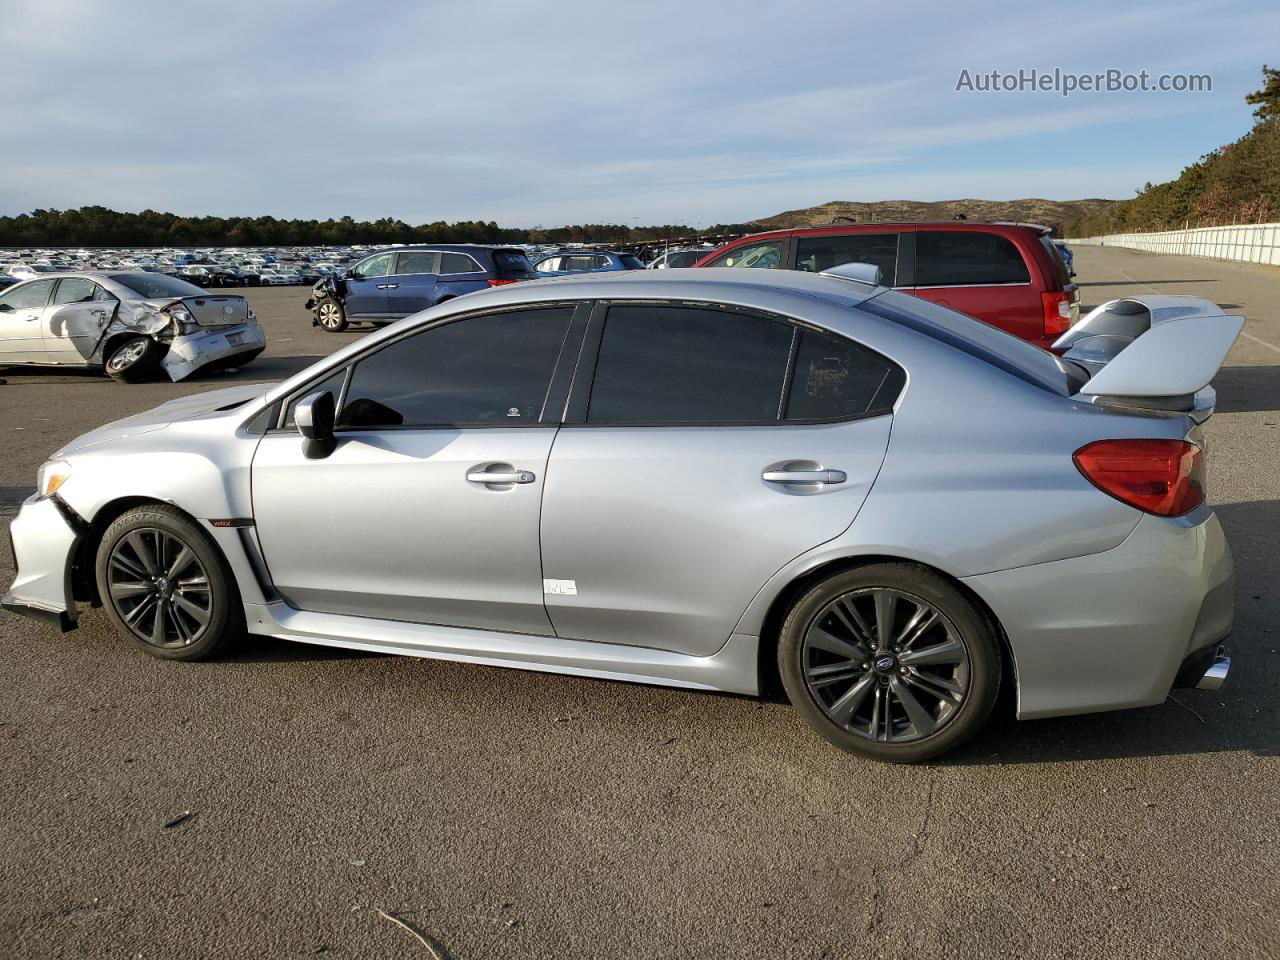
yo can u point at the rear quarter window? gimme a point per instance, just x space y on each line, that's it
967 258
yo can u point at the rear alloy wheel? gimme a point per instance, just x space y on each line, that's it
165 586
890 661
133 360
331 316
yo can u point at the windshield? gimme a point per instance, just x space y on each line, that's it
151 286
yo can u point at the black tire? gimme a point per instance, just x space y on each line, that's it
133 359
155 554
860 696
330 316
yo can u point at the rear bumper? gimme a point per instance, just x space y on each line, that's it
1116 629
189 353
44 547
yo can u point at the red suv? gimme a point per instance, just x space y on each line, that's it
1009 275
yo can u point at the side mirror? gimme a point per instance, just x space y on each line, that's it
5 308
314 417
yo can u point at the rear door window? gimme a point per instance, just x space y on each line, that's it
836 379
946 258
75 290
815 254
668 364
549 265
417 261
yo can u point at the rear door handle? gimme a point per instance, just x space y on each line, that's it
493 476
388 286
804 476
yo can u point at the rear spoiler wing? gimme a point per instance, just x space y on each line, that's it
1157 352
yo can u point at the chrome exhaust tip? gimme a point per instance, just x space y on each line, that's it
1216 675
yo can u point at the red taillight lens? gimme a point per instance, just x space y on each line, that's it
1164 477
500 283
1057 313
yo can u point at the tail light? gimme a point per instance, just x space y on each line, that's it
1164 477
1057 312
499 283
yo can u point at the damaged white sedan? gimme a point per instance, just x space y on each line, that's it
132 325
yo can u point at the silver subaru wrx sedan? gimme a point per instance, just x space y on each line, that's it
698 478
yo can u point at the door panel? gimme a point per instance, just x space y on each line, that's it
668 532
1015 309
21 334
366 294
74 322
390 526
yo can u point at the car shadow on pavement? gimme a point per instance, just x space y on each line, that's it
1242 716
1248 389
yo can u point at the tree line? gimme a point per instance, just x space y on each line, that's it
1236 183
102 227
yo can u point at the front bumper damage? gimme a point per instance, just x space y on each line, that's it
220 345
45 536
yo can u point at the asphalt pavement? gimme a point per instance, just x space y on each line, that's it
285 801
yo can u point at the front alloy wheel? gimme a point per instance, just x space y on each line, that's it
331 316
159 587
165 586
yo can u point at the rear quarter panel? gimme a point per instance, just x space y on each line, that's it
978 476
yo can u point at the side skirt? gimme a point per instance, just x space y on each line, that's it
731 669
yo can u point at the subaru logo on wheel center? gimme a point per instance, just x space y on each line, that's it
885 664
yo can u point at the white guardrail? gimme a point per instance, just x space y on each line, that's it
1247 243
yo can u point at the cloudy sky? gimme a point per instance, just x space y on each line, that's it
535 113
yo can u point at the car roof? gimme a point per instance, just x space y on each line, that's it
965 226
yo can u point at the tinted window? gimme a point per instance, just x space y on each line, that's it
511 264
1059 261
75 290
684 258
945 258
151 286
767 255
582 262
417 261
631 262
836 378
34 294
816 254
378 266
457 263
490 369
669 364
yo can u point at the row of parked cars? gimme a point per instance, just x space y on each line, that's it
1010 275
791 462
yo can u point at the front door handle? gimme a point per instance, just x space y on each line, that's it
804 476
388 286
505 476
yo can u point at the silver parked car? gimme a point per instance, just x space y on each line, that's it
132 325
687 477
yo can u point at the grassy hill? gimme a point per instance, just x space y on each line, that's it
1237 183
1051 213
